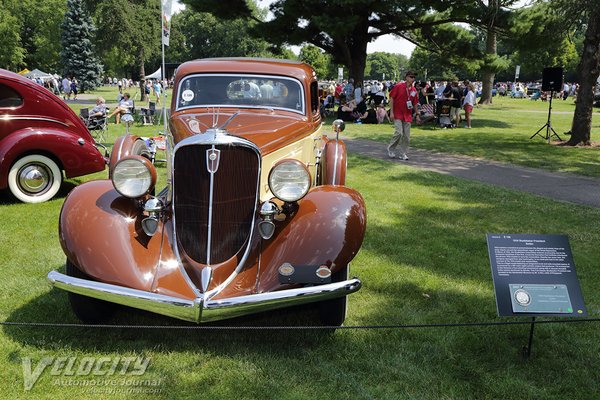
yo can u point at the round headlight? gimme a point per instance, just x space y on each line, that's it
289 180
133 176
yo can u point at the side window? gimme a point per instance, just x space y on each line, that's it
314 97
9 97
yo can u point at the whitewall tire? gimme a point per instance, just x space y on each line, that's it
34 178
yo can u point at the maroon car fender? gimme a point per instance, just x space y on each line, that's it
327 229
333 163
74 158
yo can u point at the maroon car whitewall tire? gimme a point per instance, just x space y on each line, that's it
34 178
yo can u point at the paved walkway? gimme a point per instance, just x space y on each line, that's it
554 185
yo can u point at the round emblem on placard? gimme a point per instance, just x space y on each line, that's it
522 297
187 95
323 272
286 269
212 156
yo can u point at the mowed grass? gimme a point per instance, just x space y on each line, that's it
502 132
424 261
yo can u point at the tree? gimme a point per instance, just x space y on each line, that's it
543 36
77 55
129 34
315 57
562 18
11 51
30 31
381 65
202 35
589 69
456 54
343 29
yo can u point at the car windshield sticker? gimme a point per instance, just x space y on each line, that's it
187 95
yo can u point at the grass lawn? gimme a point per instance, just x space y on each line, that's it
424 261
501 132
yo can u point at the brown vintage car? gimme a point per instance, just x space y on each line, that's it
255 215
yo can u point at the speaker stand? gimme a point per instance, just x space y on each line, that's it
547 125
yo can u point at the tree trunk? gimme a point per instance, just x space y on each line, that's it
488 72
143 95
588 70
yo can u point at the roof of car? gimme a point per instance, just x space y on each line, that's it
272 66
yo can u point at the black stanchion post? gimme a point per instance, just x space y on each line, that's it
527 349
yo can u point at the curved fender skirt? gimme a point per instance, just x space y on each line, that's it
196 310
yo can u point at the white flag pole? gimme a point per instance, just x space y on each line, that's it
165 7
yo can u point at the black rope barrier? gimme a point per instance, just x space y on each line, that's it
307 327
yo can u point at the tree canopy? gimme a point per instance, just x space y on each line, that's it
77 54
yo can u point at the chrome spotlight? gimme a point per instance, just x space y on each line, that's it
153 207
266 227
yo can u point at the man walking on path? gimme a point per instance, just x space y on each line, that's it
404 99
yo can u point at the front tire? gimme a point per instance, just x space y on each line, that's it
88 309
34 178
333 312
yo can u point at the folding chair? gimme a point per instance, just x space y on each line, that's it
147 114
98 126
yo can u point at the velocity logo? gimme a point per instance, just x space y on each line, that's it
84 366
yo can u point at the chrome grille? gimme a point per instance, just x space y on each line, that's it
214 214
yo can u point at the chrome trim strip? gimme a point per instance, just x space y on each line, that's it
335 162
188 310
214 310
218 137
198 310
5 117
246 76
211 191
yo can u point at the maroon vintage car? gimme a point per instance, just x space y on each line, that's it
40 136
255 215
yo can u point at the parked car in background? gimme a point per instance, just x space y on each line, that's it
40 138
255 215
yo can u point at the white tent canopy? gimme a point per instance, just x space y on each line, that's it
36 73
156 75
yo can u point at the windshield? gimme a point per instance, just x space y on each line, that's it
240 91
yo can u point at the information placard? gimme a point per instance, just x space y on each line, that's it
534 275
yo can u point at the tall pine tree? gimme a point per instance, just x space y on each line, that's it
77 55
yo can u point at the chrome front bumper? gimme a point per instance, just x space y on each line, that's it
199 310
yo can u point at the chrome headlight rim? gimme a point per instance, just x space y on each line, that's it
122 182
303 173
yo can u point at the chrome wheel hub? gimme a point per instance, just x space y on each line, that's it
34 179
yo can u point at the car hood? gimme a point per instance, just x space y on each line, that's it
267 130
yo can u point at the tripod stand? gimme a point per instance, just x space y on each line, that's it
547 125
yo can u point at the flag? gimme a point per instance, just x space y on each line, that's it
167 6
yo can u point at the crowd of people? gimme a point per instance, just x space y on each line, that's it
401 103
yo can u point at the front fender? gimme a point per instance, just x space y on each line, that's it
100 233
327 229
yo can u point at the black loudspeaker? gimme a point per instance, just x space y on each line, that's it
552 79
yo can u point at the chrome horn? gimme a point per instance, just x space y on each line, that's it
338 126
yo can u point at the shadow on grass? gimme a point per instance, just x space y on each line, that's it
7 198
54 308
477 123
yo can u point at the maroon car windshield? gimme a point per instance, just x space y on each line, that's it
241 91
